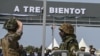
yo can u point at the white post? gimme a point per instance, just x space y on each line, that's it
44 27
53 27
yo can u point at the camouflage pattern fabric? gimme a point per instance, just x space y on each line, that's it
11 24
67 28
10 45
70 44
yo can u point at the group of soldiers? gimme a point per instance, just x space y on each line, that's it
10 45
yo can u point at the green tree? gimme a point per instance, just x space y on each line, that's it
29 48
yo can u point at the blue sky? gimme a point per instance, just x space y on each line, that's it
32 34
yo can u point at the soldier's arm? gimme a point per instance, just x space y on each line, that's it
19 31
20 27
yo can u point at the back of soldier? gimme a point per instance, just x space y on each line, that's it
10 47
70 44
9 43
72 47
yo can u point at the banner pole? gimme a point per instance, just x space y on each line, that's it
44 27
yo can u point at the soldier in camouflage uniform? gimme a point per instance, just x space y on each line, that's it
9 43
69 41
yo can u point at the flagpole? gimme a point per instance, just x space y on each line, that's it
44 27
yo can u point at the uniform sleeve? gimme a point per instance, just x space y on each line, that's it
15 36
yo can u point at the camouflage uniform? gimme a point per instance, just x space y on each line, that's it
9 43
69 41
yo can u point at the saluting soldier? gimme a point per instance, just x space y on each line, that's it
69 41
9 43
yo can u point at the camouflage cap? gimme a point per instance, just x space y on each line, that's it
11 24
67 28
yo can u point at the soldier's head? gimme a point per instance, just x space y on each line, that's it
11 25
82 49
66 28
92 51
